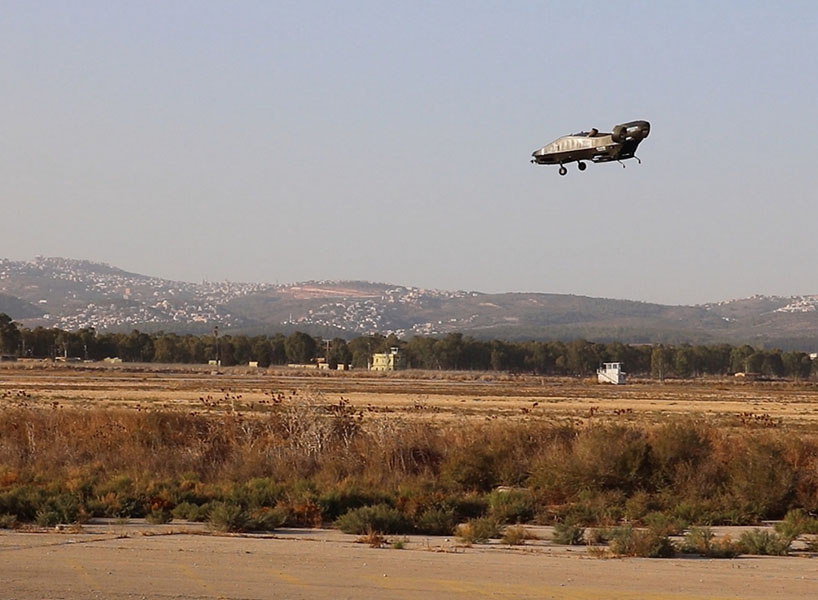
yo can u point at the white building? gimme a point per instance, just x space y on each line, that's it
611 373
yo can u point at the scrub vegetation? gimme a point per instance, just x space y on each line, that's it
299 465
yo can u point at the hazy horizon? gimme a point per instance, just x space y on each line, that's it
396 283
385 141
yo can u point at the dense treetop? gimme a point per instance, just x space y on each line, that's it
453 351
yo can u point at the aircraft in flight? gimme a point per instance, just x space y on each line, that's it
593 146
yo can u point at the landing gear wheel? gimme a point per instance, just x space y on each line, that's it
582 166
563 170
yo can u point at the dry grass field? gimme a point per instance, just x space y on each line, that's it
141 440
432 396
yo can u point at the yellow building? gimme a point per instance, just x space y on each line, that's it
387 361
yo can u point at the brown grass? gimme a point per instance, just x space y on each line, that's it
312 450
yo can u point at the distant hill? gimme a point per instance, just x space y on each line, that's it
71 294
18 309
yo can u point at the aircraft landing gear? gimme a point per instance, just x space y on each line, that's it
582 166
563 170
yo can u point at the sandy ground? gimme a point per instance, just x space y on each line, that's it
180 562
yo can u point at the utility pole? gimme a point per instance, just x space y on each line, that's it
216 335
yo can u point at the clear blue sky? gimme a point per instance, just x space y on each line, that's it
389 141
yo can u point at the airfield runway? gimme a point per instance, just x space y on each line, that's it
323 564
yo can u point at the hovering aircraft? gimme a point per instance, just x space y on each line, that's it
593 146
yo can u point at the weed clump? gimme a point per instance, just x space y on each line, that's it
372 538
399 543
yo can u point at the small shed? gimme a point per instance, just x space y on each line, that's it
611 373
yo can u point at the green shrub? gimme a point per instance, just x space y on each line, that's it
46 517
337 502
23 501
228 517
478 531
664 524
605 508
159 516
596 536
380 518
262 491
471 468
796 522
436 521
266 519
702 540
762 480
638 505
469 506
187 511
8 521
627 541
568 535
513 506
62 508
765 543
707 512
599 458
678 449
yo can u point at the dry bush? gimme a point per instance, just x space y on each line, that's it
478 531
516 535
312 461
372 538
600 457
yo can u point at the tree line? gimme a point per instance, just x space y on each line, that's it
454 351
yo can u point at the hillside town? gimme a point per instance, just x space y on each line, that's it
75 294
